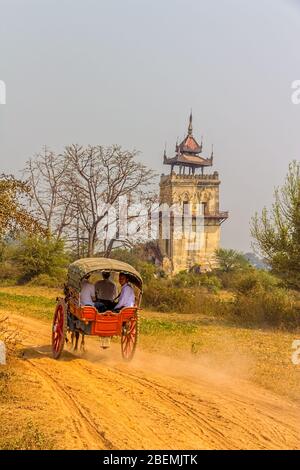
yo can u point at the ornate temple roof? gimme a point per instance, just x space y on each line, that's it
188 159
189 145
187 152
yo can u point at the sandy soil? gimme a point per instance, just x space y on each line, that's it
98 402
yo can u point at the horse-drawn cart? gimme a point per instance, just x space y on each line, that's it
72 320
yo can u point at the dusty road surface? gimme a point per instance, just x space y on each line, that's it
98 402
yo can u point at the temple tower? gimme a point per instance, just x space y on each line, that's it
189 188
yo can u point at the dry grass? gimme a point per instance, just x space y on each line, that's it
46 292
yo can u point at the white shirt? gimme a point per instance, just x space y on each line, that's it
127 297
87 293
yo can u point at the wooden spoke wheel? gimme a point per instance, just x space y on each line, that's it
59 329
129 338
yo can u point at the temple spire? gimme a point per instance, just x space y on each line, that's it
190 128
187 153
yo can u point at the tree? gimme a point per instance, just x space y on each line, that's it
73 192
230 260
45 173
39 255
13 214
276 232
95 179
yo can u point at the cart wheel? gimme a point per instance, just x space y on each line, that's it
129 338
59 329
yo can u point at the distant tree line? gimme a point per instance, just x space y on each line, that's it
63 199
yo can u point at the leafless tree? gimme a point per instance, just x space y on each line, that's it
73 192
45 173
95 177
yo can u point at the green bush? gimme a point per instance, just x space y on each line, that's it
230 260
44 280
258 301
266 308
246 280
148 272
211 282
186 279
9 272
37 256
253 280
159 296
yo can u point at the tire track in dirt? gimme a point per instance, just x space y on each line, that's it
189 417
82 422
208 416
277 428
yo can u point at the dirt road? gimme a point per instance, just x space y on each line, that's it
98 402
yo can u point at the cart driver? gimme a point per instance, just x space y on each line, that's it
127 297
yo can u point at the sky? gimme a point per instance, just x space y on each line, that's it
128 72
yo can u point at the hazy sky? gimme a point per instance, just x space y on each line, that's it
128 72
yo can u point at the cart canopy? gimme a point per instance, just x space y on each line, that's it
80 268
